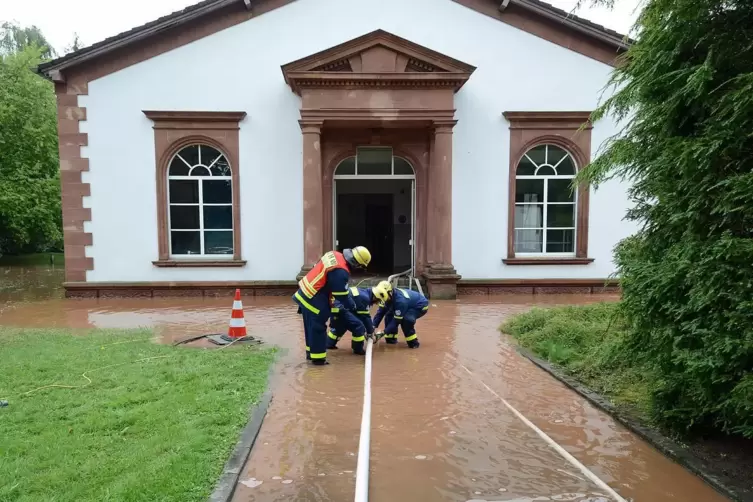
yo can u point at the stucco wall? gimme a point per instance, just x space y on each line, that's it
238 69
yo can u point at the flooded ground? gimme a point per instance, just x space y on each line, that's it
439 429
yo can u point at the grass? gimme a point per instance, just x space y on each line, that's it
156 422
587 343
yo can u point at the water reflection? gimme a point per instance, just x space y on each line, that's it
437 434
28 283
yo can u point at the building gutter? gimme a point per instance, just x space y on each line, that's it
54 71
620 43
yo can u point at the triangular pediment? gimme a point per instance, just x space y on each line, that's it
378 58
377 53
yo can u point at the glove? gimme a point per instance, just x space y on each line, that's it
376 336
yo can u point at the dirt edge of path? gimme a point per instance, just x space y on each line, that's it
672 449
225 487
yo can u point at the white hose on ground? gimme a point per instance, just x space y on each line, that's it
551 442
364 443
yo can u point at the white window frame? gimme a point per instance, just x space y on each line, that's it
201 204
391 174
544 227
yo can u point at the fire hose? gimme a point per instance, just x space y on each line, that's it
364 443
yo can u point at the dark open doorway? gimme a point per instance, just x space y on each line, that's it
368 222
376 214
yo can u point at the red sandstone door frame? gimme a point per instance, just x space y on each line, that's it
413 228
391 177
379 82
411 144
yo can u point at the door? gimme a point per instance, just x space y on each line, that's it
350 229
413 227
335 244
379 232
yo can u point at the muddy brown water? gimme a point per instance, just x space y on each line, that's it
438 433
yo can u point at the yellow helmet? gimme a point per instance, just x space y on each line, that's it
361 255
382 291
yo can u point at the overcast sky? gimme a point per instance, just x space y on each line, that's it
95 20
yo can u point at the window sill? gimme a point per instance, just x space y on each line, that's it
199 263
547 261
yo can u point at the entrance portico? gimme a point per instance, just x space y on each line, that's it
381 90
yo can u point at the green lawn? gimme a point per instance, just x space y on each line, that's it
156 423
586 342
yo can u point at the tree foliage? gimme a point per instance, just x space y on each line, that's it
30 211
75 45
14 38
685 95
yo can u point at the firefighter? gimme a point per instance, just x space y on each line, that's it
399 307
357 321
317 290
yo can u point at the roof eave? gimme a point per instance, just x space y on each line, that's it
50 68
621 43
54 70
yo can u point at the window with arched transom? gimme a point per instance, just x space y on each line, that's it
545 202
374 162
200 202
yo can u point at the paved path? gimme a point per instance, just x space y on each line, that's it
437 432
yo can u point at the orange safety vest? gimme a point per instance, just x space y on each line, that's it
317 276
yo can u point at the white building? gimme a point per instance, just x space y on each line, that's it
232 143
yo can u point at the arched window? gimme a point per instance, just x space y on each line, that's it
200 202
545 203
374 162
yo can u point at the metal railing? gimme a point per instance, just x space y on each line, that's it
408 273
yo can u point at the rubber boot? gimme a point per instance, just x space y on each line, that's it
319 362
391 340
413 344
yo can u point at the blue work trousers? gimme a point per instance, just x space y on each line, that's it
407 323
315 313
341 323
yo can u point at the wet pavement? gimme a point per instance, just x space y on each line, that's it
439 432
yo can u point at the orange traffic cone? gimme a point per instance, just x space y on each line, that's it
237 329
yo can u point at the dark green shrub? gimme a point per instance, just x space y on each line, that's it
686 96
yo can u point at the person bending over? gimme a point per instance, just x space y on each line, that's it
328 279
399 307
357 320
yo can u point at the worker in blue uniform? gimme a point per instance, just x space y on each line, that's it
357 321
399 307
327 280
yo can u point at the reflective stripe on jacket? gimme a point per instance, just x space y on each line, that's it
403 300
315 280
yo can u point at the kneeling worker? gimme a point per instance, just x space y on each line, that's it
327 279
399 307
357 321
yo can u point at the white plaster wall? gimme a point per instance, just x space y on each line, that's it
238 69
